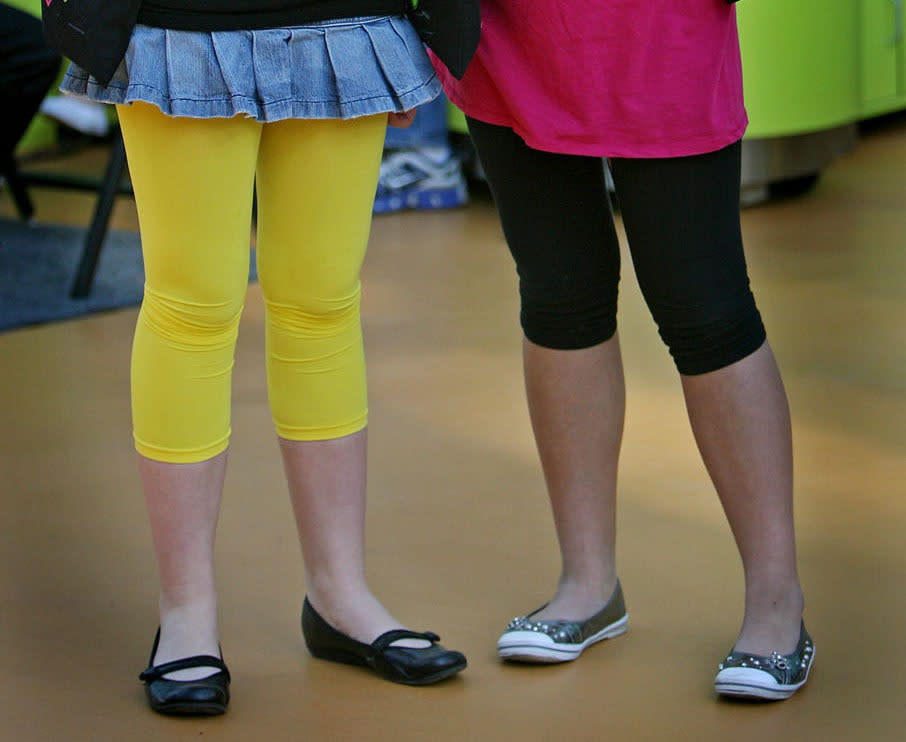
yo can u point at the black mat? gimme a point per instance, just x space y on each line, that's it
38 264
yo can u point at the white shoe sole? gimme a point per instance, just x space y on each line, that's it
747 682
533 646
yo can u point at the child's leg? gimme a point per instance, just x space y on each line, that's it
193 185
682 220
555 215
316 184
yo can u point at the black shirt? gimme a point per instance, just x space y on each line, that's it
235 15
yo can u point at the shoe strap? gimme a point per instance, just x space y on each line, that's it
157 672
387 638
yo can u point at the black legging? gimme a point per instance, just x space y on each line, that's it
682 219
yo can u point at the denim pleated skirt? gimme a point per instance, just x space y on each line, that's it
330 70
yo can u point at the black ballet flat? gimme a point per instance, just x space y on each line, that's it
206 697
406 665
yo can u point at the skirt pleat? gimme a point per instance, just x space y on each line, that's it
337 69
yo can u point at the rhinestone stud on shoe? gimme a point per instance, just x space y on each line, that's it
526 640
772 678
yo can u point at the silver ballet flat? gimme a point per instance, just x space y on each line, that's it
771 678
550 641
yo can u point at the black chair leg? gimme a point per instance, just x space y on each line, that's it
91 251
17 190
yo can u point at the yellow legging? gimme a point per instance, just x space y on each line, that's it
193 181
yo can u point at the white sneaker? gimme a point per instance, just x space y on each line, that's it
410 179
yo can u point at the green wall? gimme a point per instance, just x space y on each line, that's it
800 64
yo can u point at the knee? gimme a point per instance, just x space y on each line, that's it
191 324
315 316
566 316
703 342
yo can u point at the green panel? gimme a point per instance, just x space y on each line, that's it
800 64
456 119
883 64
879 52
30 6
41 134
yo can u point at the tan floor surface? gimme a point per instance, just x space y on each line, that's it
460 537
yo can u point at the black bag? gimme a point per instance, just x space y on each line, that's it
92 33
451 29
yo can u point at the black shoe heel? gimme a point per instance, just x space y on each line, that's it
205 697
407 665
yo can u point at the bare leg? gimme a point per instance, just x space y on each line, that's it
183 502
577 403
741 421
327 487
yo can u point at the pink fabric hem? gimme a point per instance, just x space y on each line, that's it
569 146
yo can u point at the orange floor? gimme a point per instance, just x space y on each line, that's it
460 535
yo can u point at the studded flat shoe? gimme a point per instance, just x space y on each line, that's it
407 665
772 678
527 640
206 697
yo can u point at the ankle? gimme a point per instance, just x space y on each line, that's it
577 599
354 611
197 611
337 595
187 629
773 599
772 619
599 585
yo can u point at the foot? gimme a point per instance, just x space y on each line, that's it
206 697
187 631
772 621
766 678
422 666
361 617
576 601
530 639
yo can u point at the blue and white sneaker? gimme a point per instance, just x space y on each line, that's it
411 179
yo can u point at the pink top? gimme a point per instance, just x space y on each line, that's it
618 78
